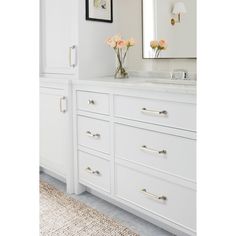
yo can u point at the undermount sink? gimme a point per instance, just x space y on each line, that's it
163 78
171 81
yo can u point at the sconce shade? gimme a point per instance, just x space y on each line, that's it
179 8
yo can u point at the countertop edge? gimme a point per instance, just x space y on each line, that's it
191 90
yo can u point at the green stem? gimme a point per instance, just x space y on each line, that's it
157 53
125 54
120 58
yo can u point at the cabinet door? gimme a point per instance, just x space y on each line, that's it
59 36
54 130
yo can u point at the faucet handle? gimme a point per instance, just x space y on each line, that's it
180 74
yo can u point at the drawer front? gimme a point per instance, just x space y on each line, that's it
174 202
94 134
93 102
172 114
94 170
164 152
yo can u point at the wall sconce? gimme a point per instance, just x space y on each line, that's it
178 9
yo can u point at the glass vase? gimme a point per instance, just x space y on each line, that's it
121 72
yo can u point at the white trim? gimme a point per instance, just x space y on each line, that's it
53 174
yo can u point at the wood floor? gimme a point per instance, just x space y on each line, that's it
135 223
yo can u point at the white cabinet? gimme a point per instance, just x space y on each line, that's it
59 37
52 130
93 102
137 147
69 44
55 132
94 171
158 196
163 152
94 134
172 114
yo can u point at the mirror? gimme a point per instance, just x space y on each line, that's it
173 21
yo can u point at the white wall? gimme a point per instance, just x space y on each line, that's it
96 57
99 59
130 25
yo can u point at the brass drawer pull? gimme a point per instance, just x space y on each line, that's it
154 112
94 172
159 198
96 136
153 151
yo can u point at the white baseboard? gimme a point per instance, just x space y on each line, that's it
50 173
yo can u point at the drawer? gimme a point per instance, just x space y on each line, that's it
172 114
171 201
93 102
172 154
94 134
95 171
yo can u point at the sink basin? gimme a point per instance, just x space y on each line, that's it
171 81
163 78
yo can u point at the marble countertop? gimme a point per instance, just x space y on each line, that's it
141 83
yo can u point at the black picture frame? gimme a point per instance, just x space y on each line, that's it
98 19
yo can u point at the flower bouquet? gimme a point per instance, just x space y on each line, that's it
157 47
121 48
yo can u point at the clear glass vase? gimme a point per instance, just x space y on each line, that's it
121 72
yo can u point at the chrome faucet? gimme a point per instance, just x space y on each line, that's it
180 74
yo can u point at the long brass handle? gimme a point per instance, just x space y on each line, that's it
154 112
159 198
72 50
63 110
153 151
88 133
94 172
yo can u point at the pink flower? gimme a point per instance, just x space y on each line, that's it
131 42
162 44
154 44
121 43
116 42
116 38
111 42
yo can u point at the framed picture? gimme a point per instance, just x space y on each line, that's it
99 10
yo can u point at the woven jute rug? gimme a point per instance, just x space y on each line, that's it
61 215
